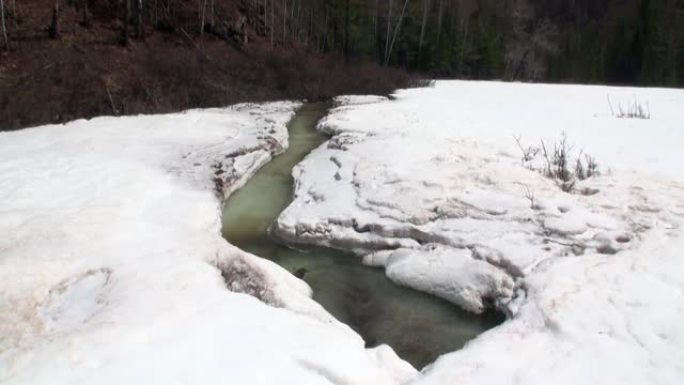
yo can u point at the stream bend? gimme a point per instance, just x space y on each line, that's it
419 327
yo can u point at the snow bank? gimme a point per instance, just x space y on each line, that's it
113 270
432 186
593 319
451 274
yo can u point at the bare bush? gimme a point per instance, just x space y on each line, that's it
591 166
529 195
585 166
528 153
558 162
580 170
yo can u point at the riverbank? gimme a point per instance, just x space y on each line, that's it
453 190
113 269
419 327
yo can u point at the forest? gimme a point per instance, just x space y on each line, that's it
66 59
586 41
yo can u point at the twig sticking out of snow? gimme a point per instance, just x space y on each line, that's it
529 194
557 163
528 153
636 110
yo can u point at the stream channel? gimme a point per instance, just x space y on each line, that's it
419 327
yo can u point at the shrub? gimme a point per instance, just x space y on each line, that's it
557 162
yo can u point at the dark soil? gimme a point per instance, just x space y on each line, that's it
88 72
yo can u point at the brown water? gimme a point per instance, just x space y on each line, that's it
417 326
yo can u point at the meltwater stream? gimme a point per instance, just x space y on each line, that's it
417 326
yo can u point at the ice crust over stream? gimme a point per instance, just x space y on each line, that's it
431 185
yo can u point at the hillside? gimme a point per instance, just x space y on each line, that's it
65 59
87 70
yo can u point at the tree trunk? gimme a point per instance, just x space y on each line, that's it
86 14
15 14
396 32
375 18
202 15
298 24
284 20
139 21
389 31
54 27
464 43
440 16
125 17
346 31
426 8
5 39
212 11
272 22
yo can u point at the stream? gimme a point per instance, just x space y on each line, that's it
419 327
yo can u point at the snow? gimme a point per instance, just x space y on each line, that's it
450 274
591 319
431 185
113 269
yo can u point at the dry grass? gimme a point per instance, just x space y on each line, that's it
558 163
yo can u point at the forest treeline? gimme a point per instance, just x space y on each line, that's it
616 41
588 41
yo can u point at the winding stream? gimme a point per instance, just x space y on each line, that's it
417 326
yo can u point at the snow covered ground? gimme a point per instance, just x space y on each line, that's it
113 270
432 186
109 247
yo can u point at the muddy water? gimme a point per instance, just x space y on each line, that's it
419 327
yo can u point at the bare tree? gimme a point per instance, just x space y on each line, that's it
5 39
54 26
396 32
440 17
14 13
139 21
284 19
375 18
124 28
426 9
203 10
86 14
346 31
532 40
389 30
212 14
464 43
